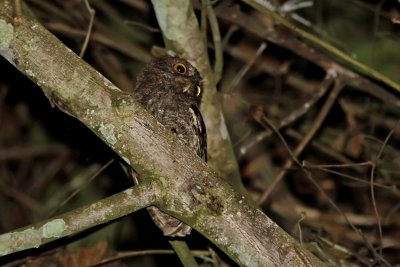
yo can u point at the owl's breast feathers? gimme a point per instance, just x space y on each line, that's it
186 122
181 115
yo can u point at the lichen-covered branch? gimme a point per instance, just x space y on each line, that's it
187 188
76 221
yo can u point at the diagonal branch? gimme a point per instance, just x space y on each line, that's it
73 222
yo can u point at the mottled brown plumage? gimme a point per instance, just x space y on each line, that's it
169 88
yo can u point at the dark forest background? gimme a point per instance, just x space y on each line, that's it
46 155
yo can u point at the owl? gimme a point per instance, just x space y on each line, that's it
169 88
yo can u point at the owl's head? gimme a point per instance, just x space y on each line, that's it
174 75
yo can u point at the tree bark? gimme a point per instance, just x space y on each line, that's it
186 187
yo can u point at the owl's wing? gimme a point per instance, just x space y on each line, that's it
201 133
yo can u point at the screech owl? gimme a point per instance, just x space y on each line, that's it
169 88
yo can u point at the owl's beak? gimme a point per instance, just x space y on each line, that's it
186 88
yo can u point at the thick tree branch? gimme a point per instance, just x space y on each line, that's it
187 187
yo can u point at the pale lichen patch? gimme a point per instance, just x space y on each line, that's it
129 192
11 242
126 160
54 228
6 36
111 86
30 73
107 131
222 128
99 212
32 44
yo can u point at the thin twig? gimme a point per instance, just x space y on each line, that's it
106 37
246 67
346 165
390 212
218 49
87 38
142 25
350 177
372 186
26 152
80 188
231 30
302 217
339 84
292 117
330 152
325 85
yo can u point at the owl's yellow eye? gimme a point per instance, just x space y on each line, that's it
180 68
